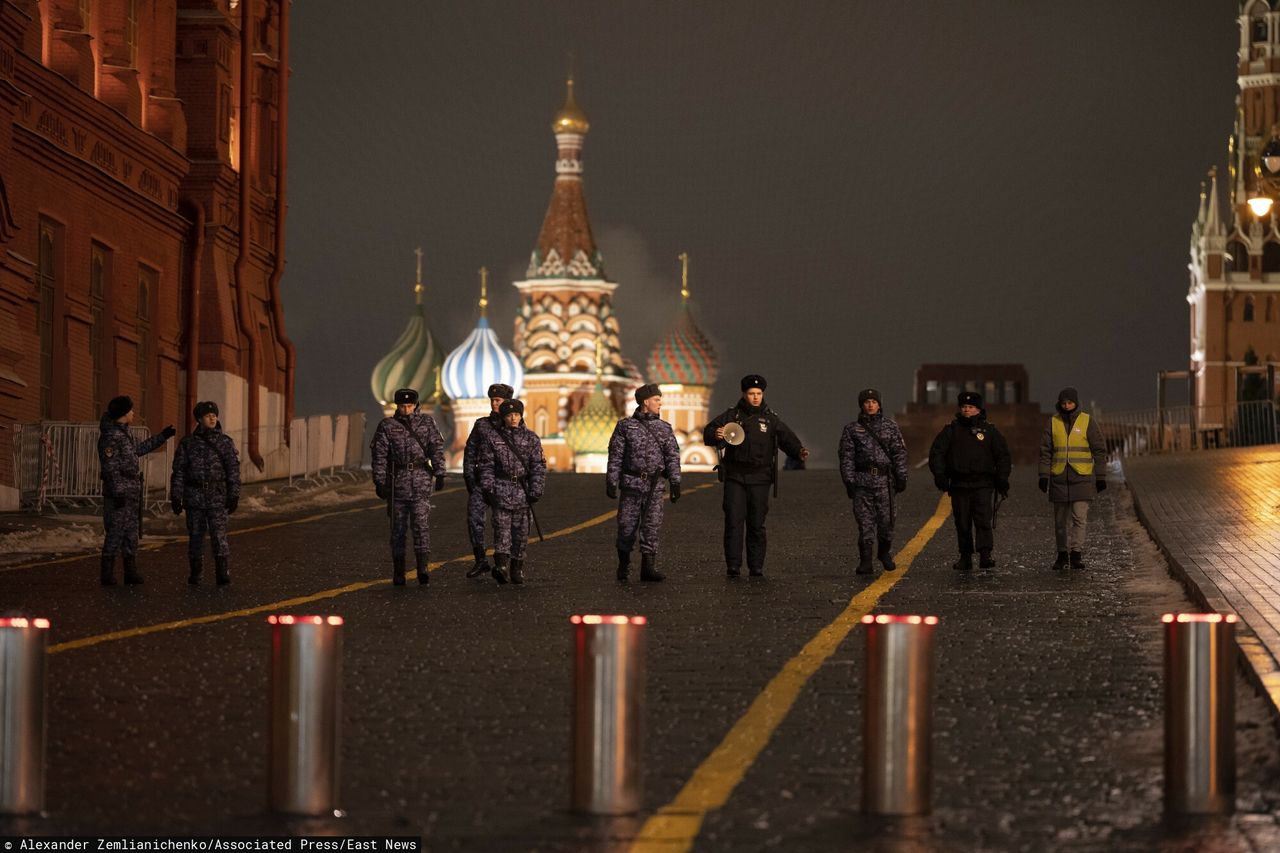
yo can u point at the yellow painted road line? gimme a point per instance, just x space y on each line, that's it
127 633
673 828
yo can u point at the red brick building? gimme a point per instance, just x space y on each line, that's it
139 141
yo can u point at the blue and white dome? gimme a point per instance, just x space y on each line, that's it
480 362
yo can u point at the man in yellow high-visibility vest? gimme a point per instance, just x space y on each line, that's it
1073 469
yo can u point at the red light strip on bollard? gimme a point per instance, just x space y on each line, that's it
594 619
1199 617
892 619
304 620
23 622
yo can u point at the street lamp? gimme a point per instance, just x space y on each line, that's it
1267 175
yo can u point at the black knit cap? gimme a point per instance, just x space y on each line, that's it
505 392
753 380
969 398
406 395
644 392
1069 393
207 407
119 407
509 406
868 394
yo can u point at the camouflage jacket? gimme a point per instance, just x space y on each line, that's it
118 458
206 469
643 448
507 475
483 432
859 448
402 444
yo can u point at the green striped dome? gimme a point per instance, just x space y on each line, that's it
414 362
591 428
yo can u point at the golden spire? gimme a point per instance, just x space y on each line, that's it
684 277
570 118
417 287
484 291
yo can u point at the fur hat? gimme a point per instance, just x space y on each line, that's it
406 395
969 398
208 407
119 407
868 394
644 392
753 380
505 392
509 406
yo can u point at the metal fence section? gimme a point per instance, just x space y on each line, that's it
1177 428
56 462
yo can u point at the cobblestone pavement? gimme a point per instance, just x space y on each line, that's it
1216 516
1048 710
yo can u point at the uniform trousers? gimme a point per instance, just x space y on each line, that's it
120 519
415 514
974 510
745 505
1069 519
640 512
873 510
510 531
476 509
212 521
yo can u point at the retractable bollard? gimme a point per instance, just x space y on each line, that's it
1199 713
897 715
608 712
306 688
22 691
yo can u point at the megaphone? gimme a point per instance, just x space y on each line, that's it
734 434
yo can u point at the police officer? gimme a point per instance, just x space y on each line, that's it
749 470
1073 460
483 431
873 465
642 451
408 454
511 472
206 483
970 460
122 487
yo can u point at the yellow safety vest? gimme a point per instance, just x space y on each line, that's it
1072 449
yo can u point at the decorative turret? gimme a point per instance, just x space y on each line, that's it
588 432
481 360
684 356
414 360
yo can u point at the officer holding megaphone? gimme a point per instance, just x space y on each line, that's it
748 438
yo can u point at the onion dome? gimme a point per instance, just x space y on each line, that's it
481 361
684 356
570 118
415 359
591 428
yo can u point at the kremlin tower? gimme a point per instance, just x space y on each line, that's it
683 364
566 305
469 371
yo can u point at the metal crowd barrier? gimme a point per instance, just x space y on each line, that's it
1180 428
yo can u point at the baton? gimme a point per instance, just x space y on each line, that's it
536 526
995 510
142 496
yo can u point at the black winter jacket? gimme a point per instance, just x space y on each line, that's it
970 453
752 462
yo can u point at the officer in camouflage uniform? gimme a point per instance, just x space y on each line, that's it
206 483
642 451
511 472
483 431
408 455
873 465
122 490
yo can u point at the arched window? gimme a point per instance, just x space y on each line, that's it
1271 256
1248 309
1258 23
540 422
1238 260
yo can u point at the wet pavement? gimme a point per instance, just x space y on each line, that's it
1048 710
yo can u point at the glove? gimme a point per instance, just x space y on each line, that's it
940 481
1044 485
439 482
176 505
900 486
1102 484
168 432
611 490
471 484
675 492
848 490
381 490
533 499
492 500
1003 488
232 503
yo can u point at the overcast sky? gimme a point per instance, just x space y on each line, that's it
862 187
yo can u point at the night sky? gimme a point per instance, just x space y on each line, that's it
862 187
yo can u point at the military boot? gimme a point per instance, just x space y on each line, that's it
886 555
222 570
107 575
481 565
397 569
624 564
1077 560
985 560
500 568
865 566
1061 562
964 564
649 568
197 566
423 565
517 571
131 575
